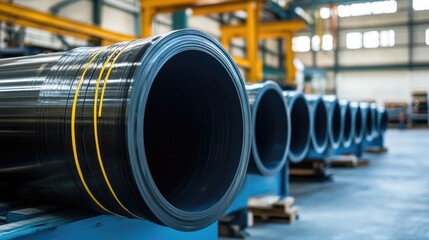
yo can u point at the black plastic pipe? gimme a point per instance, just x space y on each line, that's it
271 128
157 128
300 125
319 123
336 125
348 120
359 122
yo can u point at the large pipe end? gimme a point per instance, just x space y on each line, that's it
188 130
271 128
335 121
300 125
319 123
348 123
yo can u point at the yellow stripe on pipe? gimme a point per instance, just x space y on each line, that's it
97 146
73 135
105 82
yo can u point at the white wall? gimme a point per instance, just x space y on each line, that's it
390 85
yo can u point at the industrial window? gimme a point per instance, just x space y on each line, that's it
419 5
387 38
327 42
325 12
371 39
427 36
367 8
354 40
301 44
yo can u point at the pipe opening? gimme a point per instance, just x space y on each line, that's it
300 122
384 122
358 125
320 124
336 124
193 131
347 125
271 129
369 124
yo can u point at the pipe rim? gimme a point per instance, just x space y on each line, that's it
292 99
359 121
376 116
348 119
170 215
319 146
334 113
270 86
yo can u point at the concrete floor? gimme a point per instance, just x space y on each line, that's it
389 199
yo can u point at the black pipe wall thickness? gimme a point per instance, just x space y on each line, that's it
369 121
157 128
319 123
336 125
383 120
359 122
348 122
300 125
271 128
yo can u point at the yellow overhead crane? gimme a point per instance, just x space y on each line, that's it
204 7
251 31
274 30
28 17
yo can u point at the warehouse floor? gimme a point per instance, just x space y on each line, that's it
389 199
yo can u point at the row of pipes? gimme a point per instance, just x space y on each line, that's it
297 125
160 129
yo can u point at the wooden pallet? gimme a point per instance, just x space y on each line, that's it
278 211
347 161
311 169
376 150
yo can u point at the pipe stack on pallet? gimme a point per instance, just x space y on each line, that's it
161 129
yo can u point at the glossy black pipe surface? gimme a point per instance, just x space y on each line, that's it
300 125
319 123
157 128
271 128
336 125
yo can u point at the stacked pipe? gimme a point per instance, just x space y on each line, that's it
157 128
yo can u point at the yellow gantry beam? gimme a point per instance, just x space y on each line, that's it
274 30
32 18
265 30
